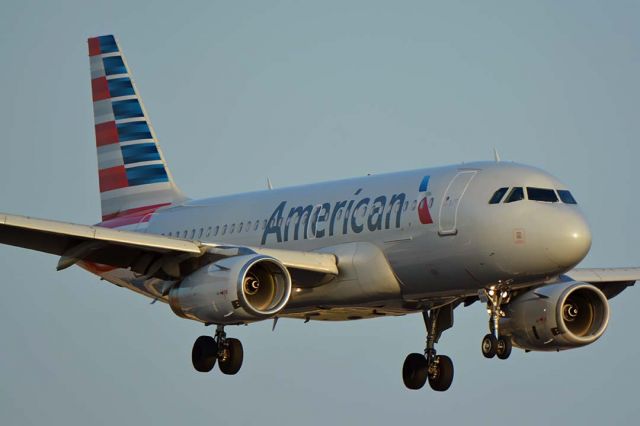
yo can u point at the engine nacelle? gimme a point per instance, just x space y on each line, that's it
234 290
556 317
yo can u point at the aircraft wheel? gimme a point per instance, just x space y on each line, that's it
503 347
230 360
489 344
441 373
414 371
203 354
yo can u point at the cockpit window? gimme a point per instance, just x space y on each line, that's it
516 194
566 197
542 194
497 196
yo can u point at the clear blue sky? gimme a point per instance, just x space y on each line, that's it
303 92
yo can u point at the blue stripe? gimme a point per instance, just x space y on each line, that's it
107 44
424 184
129 108
120 87
140 152
114 65
144 175
133 131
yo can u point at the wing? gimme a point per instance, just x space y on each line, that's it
612 281
146 254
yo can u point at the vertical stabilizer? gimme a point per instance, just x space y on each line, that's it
133 175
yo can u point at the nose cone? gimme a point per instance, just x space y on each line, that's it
568 238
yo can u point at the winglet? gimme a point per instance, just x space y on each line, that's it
496 156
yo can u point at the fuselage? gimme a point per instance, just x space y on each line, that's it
441 229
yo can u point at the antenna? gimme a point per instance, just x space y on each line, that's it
496 155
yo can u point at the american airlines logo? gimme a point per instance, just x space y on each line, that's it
343 217
423 207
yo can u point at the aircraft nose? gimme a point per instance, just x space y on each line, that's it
568 239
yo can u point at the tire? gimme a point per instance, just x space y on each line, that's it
231 361
442 379
503 347
414 371
489 344
204 354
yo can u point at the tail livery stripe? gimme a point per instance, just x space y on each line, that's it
120 117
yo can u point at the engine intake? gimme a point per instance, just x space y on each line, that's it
556 317
234 290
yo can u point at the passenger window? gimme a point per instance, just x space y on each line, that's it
566 197
224 229
542 194
200 233
193 234
516 194
215 232
184 234
208 232
413 204
257 225
240 227
497 196
233 228
248 226
169 233
406 205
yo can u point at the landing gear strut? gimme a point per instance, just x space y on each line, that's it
227 351
494 343
438 369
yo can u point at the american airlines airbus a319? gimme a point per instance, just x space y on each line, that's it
422 241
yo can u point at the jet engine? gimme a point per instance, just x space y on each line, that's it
556 317
234 290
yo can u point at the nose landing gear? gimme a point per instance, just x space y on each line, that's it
437 369
494 343
227 352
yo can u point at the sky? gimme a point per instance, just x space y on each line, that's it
299 92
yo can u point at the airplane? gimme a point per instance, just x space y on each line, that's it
424 241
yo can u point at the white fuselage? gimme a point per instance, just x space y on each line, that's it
434 227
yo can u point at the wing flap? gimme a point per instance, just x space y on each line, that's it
147 254
55 237
612 281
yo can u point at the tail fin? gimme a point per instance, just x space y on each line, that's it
133 175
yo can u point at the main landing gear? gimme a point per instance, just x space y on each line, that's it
438 369
494 343
227 351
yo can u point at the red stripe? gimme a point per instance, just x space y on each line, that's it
100 89
94 46
138 211
113 178
106 133
423 212
125 220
